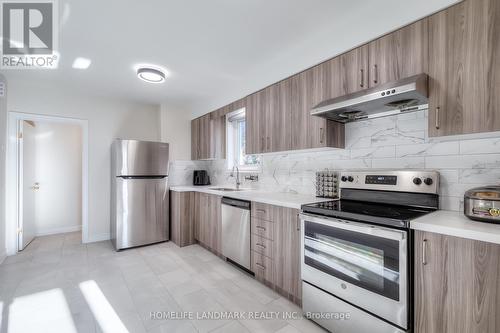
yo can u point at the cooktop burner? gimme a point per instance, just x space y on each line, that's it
394 215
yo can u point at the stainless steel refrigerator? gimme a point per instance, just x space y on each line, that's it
139 193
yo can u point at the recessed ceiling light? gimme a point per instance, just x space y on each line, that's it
81 63
151 74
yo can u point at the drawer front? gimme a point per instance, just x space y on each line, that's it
262 266
262 211
262 245
263 228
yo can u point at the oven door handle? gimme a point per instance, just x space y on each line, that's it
363 228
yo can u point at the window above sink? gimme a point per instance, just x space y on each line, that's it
235 143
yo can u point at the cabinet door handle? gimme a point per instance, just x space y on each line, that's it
375 76
321 134
260 265
437 117
362 81
298 223
260 245
424 252
259 227
261 210
268 143
262 144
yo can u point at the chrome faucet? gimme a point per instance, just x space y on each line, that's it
238 182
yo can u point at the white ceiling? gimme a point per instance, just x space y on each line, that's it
215 51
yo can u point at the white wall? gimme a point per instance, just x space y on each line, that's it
3 138
107 119
58 170
175 127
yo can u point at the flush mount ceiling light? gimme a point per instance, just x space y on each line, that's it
151 74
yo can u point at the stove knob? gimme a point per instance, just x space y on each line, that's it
344 178
417 181
428 181
350 179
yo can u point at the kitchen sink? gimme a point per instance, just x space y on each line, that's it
226 189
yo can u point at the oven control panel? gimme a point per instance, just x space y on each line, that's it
422 181
381 179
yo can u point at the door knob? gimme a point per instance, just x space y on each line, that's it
35 186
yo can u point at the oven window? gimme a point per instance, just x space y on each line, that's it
367 261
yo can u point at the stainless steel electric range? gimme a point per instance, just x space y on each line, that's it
357 251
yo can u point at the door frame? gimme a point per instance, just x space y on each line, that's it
13 176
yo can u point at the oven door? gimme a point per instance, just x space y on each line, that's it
363 264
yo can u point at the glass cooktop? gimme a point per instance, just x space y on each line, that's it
394 215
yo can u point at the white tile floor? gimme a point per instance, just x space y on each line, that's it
60 285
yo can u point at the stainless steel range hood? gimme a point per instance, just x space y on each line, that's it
406 95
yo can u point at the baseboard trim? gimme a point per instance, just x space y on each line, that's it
3 255
98 238
62 230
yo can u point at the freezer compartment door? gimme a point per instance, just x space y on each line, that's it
140 158
141 211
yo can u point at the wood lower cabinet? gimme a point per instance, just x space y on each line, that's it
457 285
207 221
182 215
400 54
275 250
286 251
464 68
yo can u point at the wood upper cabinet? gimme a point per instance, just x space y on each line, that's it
217 135
353 71
464 68
255 113
208 136
201 146
268 119
400 54
308 89
457 286
279 116
195 139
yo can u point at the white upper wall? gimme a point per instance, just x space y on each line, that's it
107 119
175 127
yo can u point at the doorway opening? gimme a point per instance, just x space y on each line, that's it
48 157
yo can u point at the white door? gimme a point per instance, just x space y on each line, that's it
28 185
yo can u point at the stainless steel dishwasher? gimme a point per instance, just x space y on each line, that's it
236 231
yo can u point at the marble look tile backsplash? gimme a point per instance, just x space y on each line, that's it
398 142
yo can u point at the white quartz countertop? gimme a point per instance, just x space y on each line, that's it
289 200
457 224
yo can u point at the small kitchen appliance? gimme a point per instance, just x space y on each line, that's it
201 178
483 204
